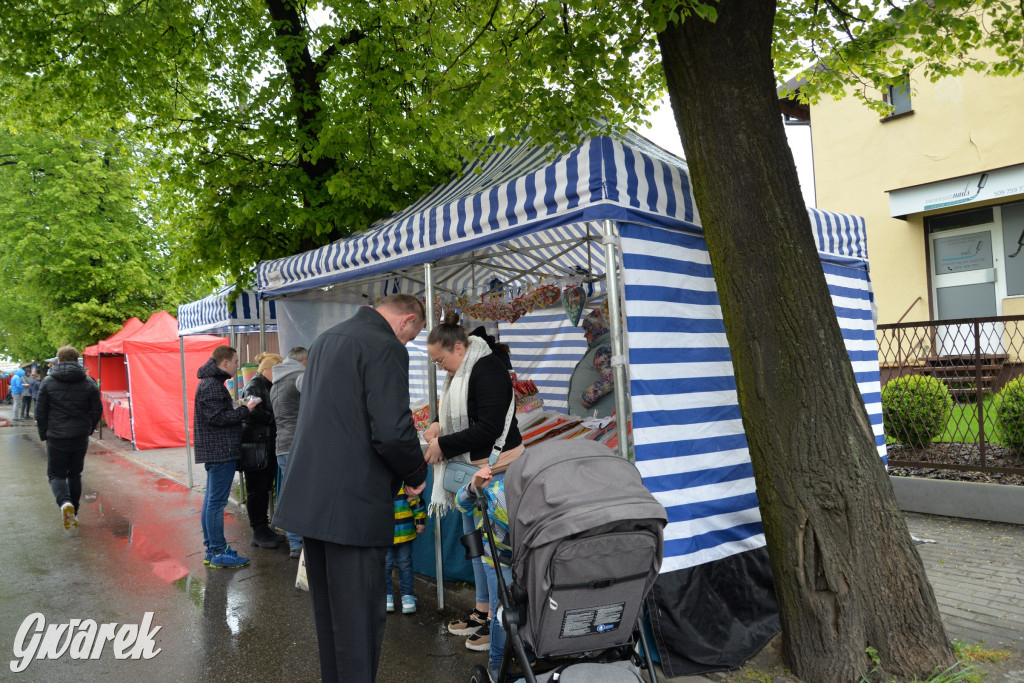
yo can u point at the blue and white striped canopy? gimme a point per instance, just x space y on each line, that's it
526 214
213 315
523 214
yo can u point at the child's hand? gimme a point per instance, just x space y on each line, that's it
420 528
481 477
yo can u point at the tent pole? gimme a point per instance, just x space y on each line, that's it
184 402
99 384
263 326
610 240
428 279
131 410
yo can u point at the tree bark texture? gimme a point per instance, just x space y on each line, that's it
847 575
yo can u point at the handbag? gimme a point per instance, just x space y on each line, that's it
254 456
458 473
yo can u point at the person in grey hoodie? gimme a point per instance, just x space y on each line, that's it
67 412
284 399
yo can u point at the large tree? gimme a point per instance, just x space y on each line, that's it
76 256
280 133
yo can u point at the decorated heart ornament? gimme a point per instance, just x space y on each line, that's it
573 299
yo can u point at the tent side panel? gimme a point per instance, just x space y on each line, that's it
155 374
545 347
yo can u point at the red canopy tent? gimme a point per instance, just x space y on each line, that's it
107 366
153 359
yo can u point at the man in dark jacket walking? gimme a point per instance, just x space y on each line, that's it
355 444
68 410
218 439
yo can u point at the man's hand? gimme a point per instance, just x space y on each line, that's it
415 490
253 402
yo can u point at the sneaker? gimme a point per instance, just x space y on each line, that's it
481 640
208 556
228 559
408 604
391 604
295 553
467 625
69 518
228 550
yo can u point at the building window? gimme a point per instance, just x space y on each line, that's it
898 97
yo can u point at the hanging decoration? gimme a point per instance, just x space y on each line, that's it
499 305
574 297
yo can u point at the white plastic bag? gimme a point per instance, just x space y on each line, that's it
300 578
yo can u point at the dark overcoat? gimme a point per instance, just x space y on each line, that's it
355 441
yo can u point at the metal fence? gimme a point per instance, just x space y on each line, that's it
973 358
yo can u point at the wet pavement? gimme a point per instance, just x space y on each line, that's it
139 550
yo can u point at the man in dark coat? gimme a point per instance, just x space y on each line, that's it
68 410
355 444
218 444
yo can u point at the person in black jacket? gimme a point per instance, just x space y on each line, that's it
68 410
355 444
476 410
260 427
218 445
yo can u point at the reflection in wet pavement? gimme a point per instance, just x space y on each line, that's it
139 549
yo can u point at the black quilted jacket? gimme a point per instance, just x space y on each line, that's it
68 405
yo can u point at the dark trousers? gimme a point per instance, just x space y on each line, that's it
26 407
257 492
346 585
65 459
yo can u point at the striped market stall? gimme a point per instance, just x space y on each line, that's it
526 215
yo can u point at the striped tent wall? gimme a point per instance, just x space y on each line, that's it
545 347
213 314
687 428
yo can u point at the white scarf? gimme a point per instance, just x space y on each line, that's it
453 418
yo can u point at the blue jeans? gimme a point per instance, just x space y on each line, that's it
219 476
294 540
479 579
401 556
497 630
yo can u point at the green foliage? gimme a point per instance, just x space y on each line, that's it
77 258
915 408
1010 414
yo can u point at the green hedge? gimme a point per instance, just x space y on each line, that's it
915 409
1010 414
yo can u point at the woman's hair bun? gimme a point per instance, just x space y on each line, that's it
451 316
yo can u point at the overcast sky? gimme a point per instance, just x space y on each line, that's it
663 132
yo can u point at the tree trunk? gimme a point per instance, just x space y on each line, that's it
847 575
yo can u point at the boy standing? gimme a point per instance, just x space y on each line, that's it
410 520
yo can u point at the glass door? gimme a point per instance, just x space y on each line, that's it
966 284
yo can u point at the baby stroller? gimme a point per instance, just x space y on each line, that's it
586 539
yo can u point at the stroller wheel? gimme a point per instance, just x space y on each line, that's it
479 675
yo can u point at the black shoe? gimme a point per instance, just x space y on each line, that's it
280 538
263 537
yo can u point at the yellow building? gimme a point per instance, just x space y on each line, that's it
940 184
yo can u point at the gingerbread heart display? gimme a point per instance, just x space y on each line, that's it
573 299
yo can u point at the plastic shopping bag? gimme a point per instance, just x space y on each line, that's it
300 578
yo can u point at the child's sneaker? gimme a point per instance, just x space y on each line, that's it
467 625
68 517
391 603
228 559
408 604
481 640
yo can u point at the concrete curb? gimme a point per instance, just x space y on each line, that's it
969 500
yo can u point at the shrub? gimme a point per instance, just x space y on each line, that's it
915 409
1010 414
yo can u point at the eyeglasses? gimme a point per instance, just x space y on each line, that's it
439 363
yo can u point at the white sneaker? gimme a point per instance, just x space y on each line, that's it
69 518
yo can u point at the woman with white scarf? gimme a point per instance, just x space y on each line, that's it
473 411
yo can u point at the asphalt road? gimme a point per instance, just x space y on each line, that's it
139 550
